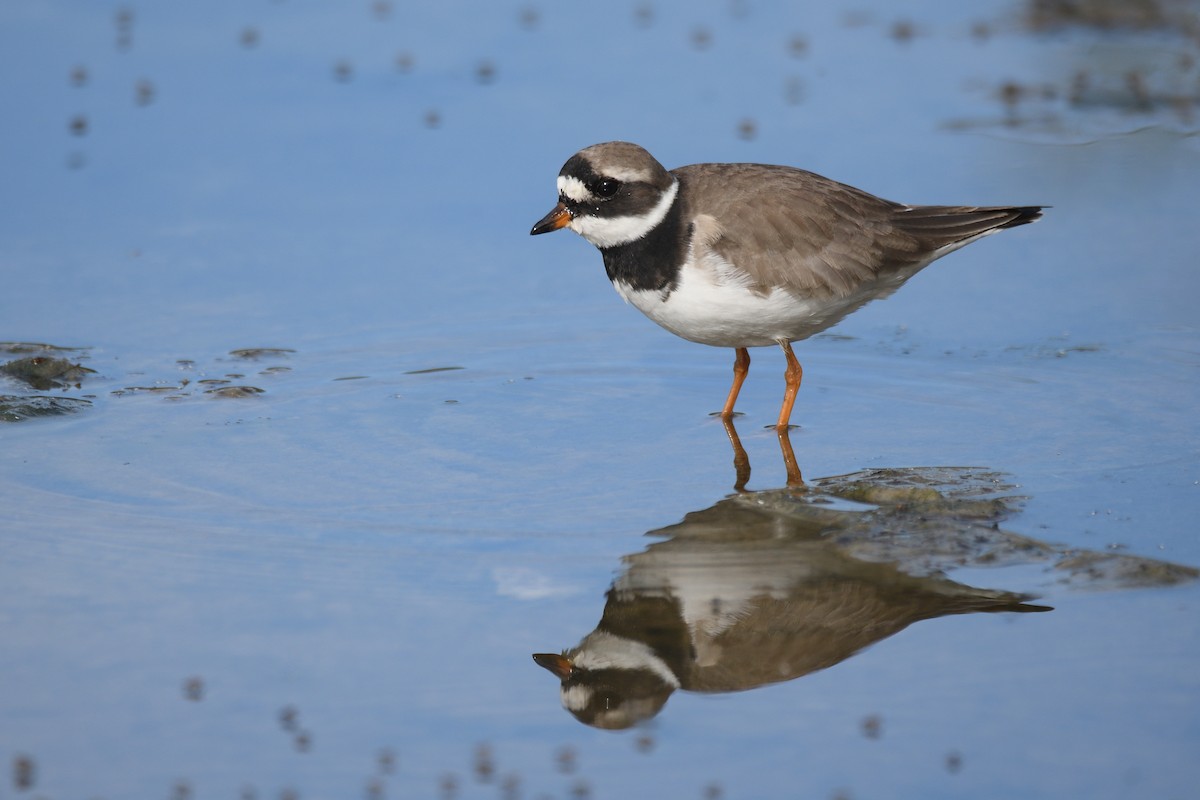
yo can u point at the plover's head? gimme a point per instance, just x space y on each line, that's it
611 194
611 682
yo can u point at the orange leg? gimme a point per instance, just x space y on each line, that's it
741 366
791 377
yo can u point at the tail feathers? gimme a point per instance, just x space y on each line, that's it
941 226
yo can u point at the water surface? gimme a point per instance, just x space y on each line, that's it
353 446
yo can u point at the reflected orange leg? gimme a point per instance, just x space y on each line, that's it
741 367
794 479
741 461
791 377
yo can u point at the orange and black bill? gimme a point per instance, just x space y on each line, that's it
559 665
558 217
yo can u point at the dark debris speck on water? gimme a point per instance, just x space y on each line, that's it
872 726
193 688
289 718
24 772
485 764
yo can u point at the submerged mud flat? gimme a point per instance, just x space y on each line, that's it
39 368
44 372
14 408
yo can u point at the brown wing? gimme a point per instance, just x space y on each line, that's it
817 237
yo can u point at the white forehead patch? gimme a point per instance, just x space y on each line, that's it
627 175
574 189
612 231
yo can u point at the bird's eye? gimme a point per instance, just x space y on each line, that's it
604 187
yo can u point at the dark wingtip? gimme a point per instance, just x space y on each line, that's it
1024 215
1029 608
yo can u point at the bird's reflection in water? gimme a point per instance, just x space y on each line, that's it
768 586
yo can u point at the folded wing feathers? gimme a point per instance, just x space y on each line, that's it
822 239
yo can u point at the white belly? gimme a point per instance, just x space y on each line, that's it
715 307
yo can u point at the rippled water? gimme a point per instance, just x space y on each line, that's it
342 446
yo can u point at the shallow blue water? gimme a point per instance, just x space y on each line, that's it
383 547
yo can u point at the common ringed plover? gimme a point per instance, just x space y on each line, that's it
749 255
